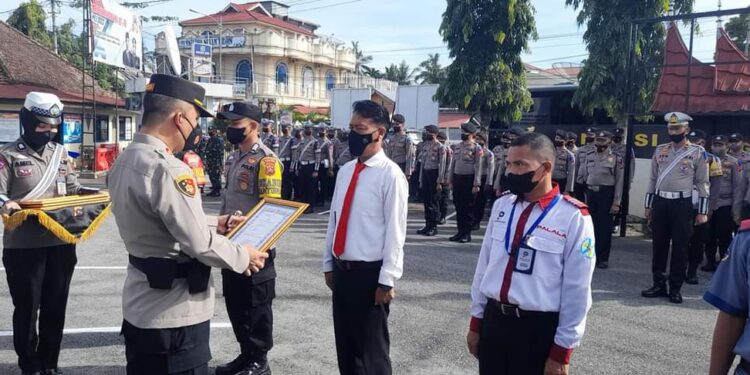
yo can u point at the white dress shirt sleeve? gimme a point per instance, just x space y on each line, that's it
478 299
331 230
396 200
575 298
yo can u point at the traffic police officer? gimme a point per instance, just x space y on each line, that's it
725 202
579 189
254 173
307 159
268 138
168 296
565 164
38 265
214 160
445 191
326 167
736 141
465 177
618 145
344 156
604 179
675 168
488 171
532 285
570 142
431 179
286 142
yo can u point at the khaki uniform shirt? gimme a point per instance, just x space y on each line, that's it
285 147
307 152
157 208
327 154
344 156
565 168
501 153
271 141
467 160
690 171
434 156
726 189
252 176
21 170
401 150
580 158
488 166
605 169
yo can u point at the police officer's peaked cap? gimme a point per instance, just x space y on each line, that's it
560 133
572 136
677 118
179 88
441 135
697 134
619 131
719 139
517 130
240 110
431 129
211 127
469 127
481 136
331 131
604 134
592 130
285 126
736 137
46 107
399 118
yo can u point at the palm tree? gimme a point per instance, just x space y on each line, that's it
372 72
362 60
430 70
400 73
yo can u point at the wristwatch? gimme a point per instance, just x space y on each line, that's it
3 200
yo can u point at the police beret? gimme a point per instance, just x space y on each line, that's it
179 88
719 139
592 130
560 133
399 118
240 110
431 129
469 127
677 118
697 134
736 137
619 131
604 134
517 130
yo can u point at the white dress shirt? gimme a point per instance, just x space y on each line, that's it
560 279
377 219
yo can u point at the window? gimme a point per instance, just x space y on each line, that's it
330 81
102 129
125 128
282 75
244 72
308 81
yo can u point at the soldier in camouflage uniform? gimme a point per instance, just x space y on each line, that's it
214 160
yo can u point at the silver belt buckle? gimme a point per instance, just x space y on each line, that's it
509 310
594 188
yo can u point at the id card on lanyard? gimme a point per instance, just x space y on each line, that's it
524 256
61 187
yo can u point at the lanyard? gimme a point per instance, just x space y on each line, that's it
533 226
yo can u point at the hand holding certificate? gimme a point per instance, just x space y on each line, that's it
265 224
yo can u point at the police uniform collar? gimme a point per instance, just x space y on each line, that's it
547 198
150 140
255 148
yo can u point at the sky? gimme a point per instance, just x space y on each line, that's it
396 30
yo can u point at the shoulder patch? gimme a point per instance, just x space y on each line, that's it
745 225
578 204
185 184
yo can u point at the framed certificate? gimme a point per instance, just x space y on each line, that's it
267 221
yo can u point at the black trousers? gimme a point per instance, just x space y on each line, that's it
463 199
444 198
480 202
360 326
308 185
514 346
414 183
671 223
326 183
162 351
287 181
722 226
579 191
39 282
697 245
214 175
431 197
250 312
600 203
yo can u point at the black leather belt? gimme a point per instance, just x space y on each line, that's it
513 310
357 265
161 272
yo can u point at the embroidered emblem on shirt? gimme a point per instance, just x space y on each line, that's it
186 185
587 248
24 172
269 165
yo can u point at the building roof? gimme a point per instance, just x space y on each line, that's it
713 89
305 110
248 12
26 65
452 120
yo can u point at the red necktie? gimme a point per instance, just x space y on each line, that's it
507 277
340 240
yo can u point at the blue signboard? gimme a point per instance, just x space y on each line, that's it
72 129
202 50
226 41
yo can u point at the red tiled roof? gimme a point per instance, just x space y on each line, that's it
26 65
305 110
672 92
732 68
452 120
245 13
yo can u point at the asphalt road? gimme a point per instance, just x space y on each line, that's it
625 333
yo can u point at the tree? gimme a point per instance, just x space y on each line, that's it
29 18
400 73
737 27
485 39
603 77
361 59
430 71
372 72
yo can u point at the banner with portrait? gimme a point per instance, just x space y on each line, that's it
117 35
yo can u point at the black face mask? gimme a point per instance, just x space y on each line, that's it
521 184
396 129
192 138
308 132
570 144
358 142
321 135
590 139
617 139
464 137
37 140
677 138
266 130
559 143
600 148
506 144
236 136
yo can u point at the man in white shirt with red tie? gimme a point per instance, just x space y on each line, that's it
532 286
363 254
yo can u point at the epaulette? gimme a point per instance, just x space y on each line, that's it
744 225
507 192
578 204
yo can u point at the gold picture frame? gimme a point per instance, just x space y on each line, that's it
272 217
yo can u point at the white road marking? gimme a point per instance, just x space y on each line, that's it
324 212
451 215
73 331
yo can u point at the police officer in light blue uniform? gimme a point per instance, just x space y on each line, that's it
729 292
